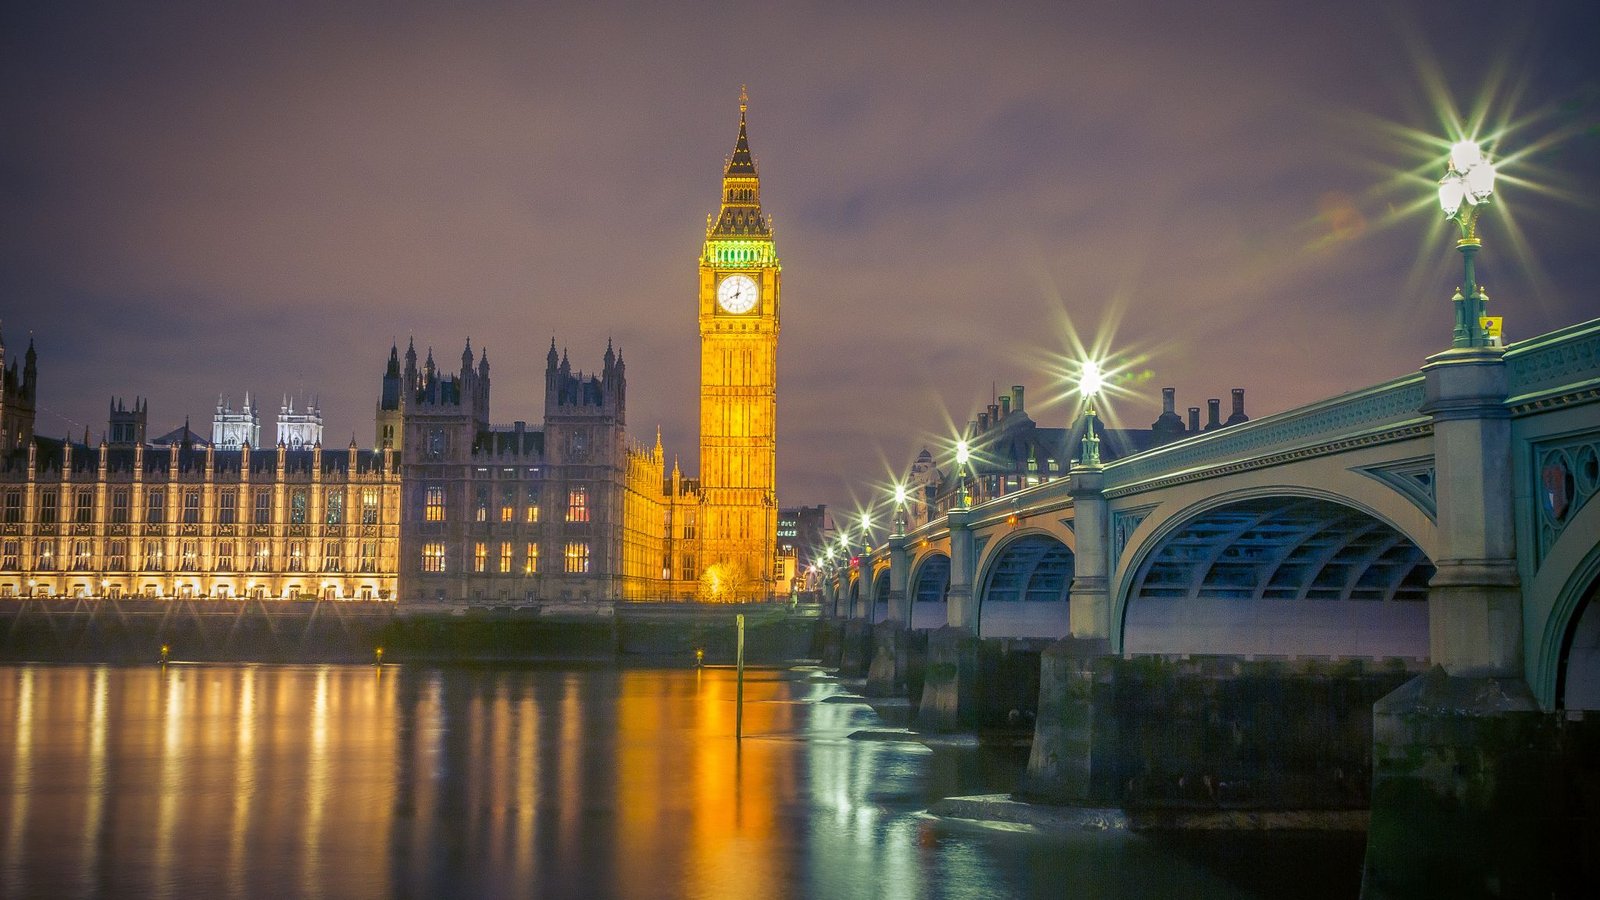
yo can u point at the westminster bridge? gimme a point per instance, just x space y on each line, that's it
1385 598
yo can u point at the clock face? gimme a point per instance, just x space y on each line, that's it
738 294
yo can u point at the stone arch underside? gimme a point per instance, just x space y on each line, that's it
1579 685
1025 591
929 589
880 595
1281 576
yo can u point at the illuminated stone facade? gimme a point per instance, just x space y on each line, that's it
512 515
232 430
738 315
129 517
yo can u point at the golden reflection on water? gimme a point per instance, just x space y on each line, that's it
342 780
356 781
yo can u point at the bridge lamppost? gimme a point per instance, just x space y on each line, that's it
900 509
1090 382
828 575
1464 190
963 454
864 567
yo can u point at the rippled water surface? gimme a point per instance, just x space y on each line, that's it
353 781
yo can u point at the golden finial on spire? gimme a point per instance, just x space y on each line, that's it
744 100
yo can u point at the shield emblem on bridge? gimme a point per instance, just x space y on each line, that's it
1556 481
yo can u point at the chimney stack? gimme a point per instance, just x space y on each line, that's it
1238 408
1016 398
1213 414
1005 405
1167 426
1194 418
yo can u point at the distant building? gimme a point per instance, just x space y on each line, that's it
1009 451
802 533
179 517
232 430
297 430
19 392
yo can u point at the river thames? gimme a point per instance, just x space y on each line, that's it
355 781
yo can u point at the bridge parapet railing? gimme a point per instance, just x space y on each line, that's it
1550 363
1382 406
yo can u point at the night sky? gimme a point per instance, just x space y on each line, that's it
201 199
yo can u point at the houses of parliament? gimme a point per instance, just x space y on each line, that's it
444 509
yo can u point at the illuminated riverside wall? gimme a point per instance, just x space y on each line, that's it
134 630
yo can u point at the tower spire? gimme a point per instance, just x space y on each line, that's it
742 162
740 215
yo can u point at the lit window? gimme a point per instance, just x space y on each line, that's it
433 558
369 506
80 556
577 557
481 507
190 561
480 556
505 556
433 504
531 512
530 565
298 503
508 504
297 557
335 514
224 556
333 557
369 557
578 505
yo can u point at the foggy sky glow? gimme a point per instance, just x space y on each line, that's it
205 199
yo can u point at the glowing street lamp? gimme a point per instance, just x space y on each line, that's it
900 509
1090 381
962 455
1466 187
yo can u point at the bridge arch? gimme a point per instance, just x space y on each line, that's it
1563 616
1276 573
929 589
1023 587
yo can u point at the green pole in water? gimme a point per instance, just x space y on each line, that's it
738 715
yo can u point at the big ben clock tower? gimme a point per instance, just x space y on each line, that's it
739 295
